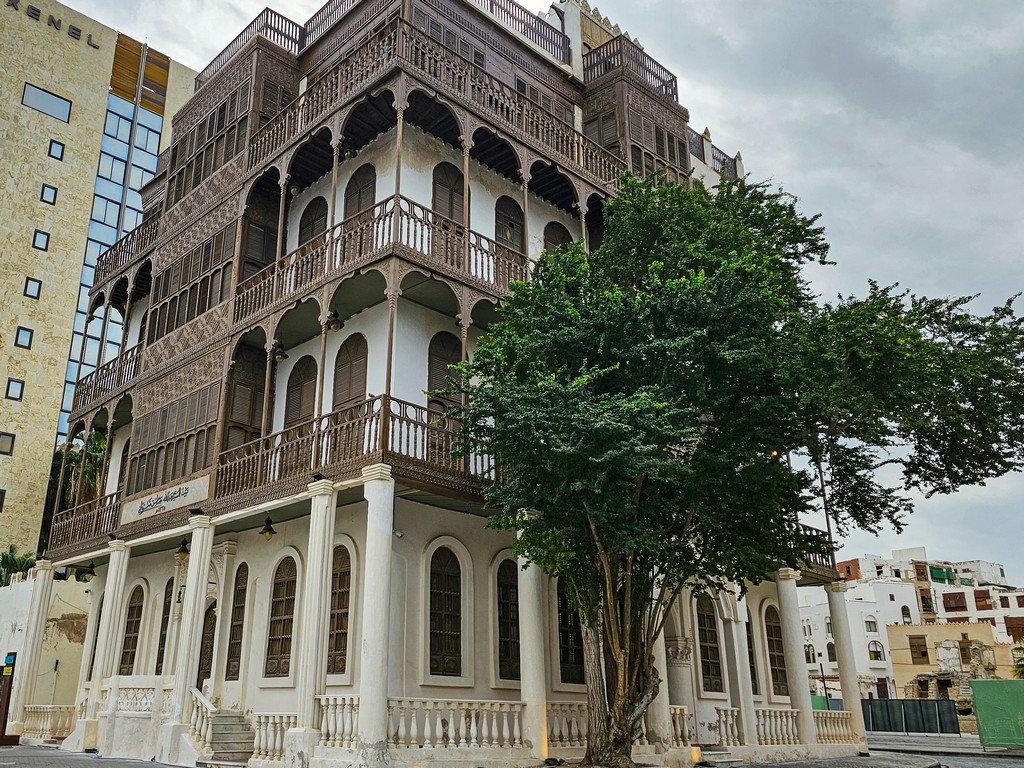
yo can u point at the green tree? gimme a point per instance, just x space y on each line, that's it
662 410
1018 661
12 562
85 473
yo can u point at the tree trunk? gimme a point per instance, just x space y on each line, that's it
598 737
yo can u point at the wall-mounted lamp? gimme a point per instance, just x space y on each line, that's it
182 553
88 572
333 321
349 154
268 529
294 190
278 352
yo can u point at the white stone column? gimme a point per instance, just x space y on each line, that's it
532 659
796 664
837 610
658 718
379 492
741 690
311 674
190 635
108 639
28 662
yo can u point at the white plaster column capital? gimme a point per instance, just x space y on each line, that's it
837 587
117 545
377 472
321 488
196 522
43 566
788 574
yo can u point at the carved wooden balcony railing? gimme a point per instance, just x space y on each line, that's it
621 54
272 25
79 525
696 142
397 225
722 164
122 253
456 76
108 378
380 428
825 561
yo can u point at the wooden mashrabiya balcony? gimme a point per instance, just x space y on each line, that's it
458 78
397 225
110 378
84 525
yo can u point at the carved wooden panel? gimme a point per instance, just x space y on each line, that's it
208 97
198 332
208 368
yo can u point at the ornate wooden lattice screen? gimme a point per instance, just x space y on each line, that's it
776 651
570 639
237 629
337 638
131 632
445 614
508 620
282 614
710 650
165 618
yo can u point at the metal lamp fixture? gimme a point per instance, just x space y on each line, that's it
333 321
267 530
89 571
278 352
182 553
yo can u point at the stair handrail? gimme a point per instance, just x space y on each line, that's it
200 722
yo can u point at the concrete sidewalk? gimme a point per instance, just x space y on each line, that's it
868 761
47 757
938 744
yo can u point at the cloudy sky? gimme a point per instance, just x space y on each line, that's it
900 122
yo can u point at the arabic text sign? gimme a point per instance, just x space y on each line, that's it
185 495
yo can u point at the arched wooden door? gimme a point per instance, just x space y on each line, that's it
206 648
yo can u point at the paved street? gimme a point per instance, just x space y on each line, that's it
939 744
875 760
44 757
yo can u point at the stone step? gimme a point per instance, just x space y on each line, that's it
231 757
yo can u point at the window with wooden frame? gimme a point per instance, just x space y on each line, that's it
282 617
165 619
361 191
875 651
508 620
508 223
131 633
236 631
755 686
570 638
809 653
350 372
313 221
830 651
776 651
604 130
300 397
445 613
954 601
710 650
341 588
448 197
918 649
555 236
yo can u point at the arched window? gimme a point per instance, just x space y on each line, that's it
165 618
300 399
809 653
776 651
445 350
556 235
710 651
448 198
875 651
361 190
508 223
570 639
282 616
508 620
237 629
905 611
341 586
755 686
350 372
313 221
830 651
445 613
131 632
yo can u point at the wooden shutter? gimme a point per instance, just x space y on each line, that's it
350 372
361 190
165 617
341 585
236 631
445 614
508 223
282 616
776 651
445 350
313 221
300 399
131 633
710 650
556 235
570 639
508 620
448 197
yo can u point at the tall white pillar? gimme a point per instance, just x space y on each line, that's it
190 636
108 639
658 718
837 610
379 492
532 659
796 663
311 674
28 663
741 690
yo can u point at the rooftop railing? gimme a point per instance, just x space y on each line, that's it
270 24
622 54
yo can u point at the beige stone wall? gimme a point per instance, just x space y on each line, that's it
35 51
904 670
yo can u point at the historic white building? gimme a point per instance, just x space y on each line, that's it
290 567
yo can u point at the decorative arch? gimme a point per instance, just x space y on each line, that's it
283 613
556 235
876 652
132 629
809 655
776 650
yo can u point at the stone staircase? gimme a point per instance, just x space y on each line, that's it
719 756
231 740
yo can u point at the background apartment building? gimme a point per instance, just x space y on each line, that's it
81 125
